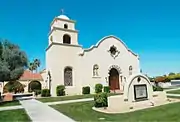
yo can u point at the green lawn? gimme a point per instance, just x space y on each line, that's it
12 103
83 112
18 115
174 91
63 98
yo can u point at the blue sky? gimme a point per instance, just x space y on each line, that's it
150 28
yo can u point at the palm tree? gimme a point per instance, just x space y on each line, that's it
37 64
33 66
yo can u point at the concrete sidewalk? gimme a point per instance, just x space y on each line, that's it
69 101
48 103
40 112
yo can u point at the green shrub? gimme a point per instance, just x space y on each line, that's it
37 92
45 93
86 90
60 90
107 89
98 88
157 88
101 100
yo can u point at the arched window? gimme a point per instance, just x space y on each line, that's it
130 70
66 39
95 70
65 26
68 76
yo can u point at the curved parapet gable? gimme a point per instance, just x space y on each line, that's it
106 37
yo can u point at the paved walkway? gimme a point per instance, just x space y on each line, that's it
70 101
40 112
48 103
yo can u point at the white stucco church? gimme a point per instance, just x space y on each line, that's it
109 62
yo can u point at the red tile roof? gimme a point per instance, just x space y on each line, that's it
28 75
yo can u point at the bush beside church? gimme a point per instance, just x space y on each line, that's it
60 90
45 93
101 98
86 90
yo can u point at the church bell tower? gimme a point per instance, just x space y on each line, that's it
63 31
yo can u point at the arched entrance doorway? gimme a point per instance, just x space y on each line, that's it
34 85
114 79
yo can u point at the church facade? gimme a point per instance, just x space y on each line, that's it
109 62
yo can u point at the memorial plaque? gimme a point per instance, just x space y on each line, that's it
140 92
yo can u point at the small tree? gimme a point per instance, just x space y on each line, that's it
101 100
172 73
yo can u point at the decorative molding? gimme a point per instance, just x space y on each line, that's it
62 29
106 37
113 51
96 77
56 18
139 79
116 67
55 43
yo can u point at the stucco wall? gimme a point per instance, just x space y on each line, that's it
57 58
60 56
60 24
99 55
58 36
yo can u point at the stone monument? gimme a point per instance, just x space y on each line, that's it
138 88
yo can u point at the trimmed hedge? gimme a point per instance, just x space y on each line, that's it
37 92
86 90
107 89
45 93
60 90
101 100
98 88
157 88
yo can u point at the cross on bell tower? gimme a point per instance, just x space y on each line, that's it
63 30
62 11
